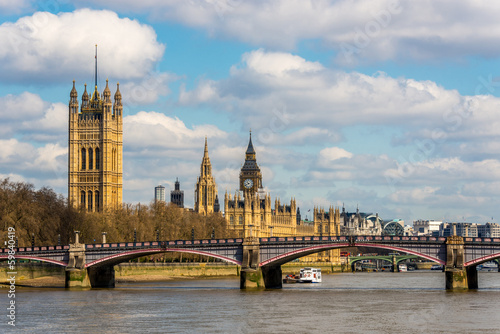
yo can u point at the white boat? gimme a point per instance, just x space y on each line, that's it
310 275
402 267
488 266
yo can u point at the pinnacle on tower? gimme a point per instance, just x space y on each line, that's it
250 149
107 93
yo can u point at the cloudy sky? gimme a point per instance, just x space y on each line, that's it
390 105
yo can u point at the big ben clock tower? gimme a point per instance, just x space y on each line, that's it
250 175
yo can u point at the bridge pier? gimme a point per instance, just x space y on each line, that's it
77 278
250 273
272 277
101 277
76 274
458 277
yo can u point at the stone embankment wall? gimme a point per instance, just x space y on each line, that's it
158 271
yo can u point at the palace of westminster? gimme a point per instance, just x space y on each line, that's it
95 163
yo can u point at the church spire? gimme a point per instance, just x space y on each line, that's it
206 166
205 155
206 189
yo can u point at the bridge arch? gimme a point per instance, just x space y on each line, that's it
388 258
115 259
35 258
483 259
298 253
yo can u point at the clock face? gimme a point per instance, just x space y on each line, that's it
248 183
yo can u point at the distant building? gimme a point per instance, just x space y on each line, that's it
461 229
159 194
473 230
488 230
359 223
177 195
426 227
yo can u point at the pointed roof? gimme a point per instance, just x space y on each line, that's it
118 94
85 95
205 154
95 95
107 91
250 149
73 91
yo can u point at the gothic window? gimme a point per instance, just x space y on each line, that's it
97 159
89 196
84 159
96 197
82 198
231 219
240 218
91 158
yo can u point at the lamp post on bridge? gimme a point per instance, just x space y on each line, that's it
104 237
271 228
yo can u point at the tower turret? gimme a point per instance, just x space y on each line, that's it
118 107
250 175
85 99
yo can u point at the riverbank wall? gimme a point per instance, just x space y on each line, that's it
45 274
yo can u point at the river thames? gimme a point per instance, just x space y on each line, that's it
409 302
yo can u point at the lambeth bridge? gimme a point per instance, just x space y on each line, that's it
260 259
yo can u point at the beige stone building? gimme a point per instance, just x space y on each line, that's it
205 195
95 150
249 211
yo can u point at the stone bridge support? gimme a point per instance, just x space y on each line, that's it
251 275
457 275
77 276
102 276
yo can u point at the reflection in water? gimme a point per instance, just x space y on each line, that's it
411 302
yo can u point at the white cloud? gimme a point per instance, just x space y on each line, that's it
152 129
26 115
52 47
330 154
14 7
298 105
18 107
357 30
148 89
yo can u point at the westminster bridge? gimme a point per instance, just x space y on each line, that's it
260 259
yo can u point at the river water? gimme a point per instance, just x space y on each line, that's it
410 302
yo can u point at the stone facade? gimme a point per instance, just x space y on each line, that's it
95 150
205 194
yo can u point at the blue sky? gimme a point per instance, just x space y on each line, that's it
392 106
